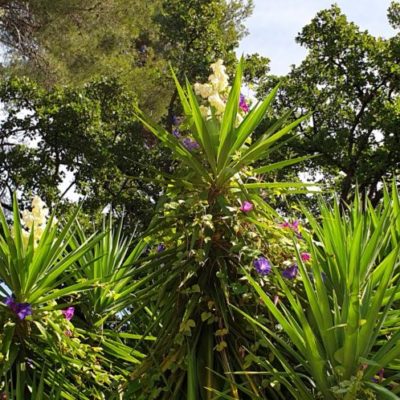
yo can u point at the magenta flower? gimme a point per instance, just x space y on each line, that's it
286 225
294 226
22 310
305 256
262 266
246 206
290 272
68 313
243 104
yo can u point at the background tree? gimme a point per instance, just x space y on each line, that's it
194 34
350 80
89 135
70 43
88 65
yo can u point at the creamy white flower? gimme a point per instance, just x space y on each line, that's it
27 219
34 221
218 66
39 221
38 232
203 90
205 111
37 202
219 82
215 90
219 79
216 101
40 215
40 212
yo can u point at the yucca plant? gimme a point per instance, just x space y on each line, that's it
108 261
105 310
338 338
207 224
43 354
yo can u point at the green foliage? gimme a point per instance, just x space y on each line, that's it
92 135
194 34
349 80
185 312
110 259
343 328
207 237
70 43
394 14
84 128
107 56
47 267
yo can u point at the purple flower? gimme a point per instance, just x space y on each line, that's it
305 256
176 133
190 144
243 104
290 272
22 310
160 248
68 313
246 206
379 376
10 303
262 266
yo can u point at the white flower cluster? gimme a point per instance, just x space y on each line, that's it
34 220
214 91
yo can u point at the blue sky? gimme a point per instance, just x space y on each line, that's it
275 23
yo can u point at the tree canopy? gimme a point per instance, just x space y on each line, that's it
91 134
350 81
68 42
72 75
